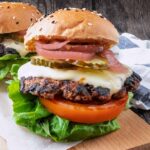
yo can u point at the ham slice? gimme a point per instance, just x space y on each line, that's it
113 63
64 46
65 55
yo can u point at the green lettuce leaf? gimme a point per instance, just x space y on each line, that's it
3 72
9 65
128 104
29 112
9 57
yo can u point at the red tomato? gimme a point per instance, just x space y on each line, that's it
85 113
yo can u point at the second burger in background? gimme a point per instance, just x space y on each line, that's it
15 18
75 87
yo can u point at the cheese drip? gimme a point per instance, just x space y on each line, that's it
103 78
18 46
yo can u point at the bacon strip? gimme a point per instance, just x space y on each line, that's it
113 63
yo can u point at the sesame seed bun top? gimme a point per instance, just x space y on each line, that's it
15 16
75 25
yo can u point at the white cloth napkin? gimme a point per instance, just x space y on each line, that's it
132 51
135 53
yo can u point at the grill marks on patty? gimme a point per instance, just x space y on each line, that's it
70 90
6 50
74 91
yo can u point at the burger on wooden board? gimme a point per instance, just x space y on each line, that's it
74 88
15 18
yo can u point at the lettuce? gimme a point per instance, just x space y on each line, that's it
128 104
29 112
4 71
9 65
9 57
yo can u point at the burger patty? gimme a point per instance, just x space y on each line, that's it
75 91
6 50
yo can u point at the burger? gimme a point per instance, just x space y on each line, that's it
15 18
74 88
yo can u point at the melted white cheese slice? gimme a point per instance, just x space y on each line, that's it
18 46
103 78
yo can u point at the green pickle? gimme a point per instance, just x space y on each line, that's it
38 60
93 64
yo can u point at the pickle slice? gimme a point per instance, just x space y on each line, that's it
92 64
38 60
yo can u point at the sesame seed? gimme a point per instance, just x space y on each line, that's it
83 8
71 8
23 7
14 17
51 16
17 22
89 23
99 14
29 4
104 18
40 19
31 25
68 8
95 12
54 22
40 29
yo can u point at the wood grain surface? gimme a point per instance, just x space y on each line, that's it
134 135
127 15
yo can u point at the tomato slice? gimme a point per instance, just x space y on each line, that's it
85 113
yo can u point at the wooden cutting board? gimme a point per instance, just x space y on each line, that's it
134 134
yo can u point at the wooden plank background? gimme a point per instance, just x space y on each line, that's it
127 15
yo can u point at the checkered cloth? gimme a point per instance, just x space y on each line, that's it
135 53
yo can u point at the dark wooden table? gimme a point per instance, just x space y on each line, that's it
127 15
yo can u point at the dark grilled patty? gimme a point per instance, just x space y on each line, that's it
74 91
6 50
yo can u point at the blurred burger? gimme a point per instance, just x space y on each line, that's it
75 77
15 18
